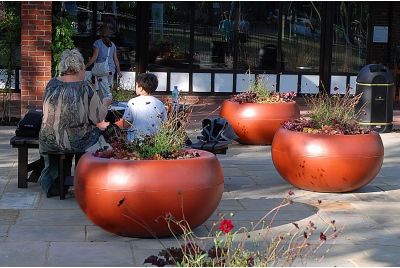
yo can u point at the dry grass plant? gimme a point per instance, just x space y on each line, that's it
330 114
258 92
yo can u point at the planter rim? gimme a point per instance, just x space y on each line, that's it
256 103
325 135
203 155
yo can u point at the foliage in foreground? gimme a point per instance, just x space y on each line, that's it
243 247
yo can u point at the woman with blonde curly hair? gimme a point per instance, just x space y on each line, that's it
71 109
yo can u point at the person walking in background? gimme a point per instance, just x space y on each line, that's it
225 27
104 49
244 29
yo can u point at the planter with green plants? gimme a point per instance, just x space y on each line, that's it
327 150
257 114
129 188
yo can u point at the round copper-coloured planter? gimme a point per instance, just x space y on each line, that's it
132 198
256 123
327 163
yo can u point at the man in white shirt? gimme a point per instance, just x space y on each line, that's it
144 114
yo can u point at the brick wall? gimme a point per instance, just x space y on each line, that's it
36 36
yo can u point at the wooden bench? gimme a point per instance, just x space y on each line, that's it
23 144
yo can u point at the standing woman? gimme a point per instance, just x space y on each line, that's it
104 49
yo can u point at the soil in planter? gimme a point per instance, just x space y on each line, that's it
121 150
307 126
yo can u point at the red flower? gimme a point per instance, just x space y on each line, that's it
226 226
322 236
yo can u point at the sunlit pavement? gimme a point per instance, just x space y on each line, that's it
40 231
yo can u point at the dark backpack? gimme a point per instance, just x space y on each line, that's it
217 129
29 125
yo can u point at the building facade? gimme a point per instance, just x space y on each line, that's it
216 48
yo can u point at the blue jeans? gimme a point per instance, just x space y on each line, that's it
50 173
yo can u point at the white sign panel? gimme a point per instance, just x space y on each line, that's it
380 34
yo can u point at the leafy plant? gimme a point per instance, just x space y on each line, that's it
62 39
167 143
123 90
244 247
122 95
329 115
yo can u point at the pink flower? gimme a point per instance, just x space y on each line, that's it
226 226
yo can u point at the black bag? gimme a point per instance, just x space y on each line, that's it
217 130
29 125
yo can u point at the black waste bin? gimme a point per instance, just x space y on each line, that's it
375 107
218 51
268 57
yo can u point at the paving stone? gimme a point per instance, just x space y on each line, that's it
8 216
67 217
97 234
382 256
4 232
19 200
229 204
262 173
55 203
23 254
45 233
391 171
238 180
90 254
267 204
277 191
267 167
256 215
152 243
378 208
233 171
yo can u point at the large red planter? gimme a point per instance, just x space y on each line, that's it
256 123
130 198
327 163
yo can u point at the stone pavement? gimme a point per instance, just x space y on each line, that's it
40 231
